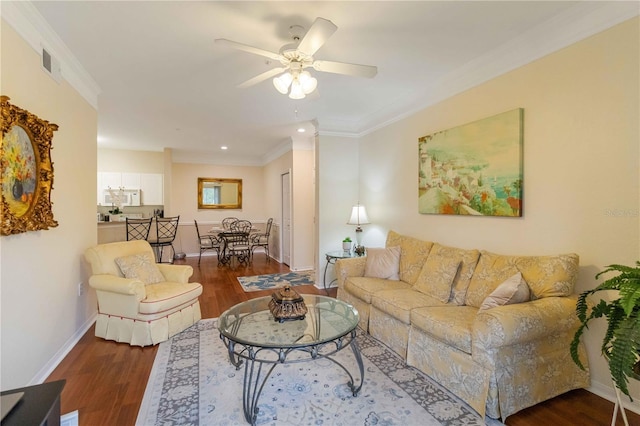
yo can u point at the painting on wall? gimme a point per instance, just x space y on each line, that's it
27 170
473 169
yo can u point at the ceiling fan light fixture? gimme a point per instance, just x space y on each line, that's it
296 90
282 83
308 82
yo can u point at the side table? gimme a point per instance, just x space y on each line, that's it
40 405
332 256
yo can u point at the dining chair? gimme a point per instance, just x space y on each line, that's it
138 229
238 246
261 239
166 229
227 222
207 242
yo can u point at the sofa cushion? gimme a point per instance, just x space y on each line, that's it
549 276
383 263
413 254
399 303
491 271
140 266
165 296
364 287
444 255
513 290
450 324
437 276
546 275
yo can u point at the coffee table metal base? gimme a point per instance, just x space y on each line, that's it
255 358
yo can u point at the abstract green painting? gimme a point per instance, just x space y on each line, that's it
473 169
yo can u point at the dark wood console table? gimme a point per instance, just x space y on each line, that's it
40 405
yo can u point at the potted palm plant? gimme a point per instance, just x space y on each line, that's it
621 344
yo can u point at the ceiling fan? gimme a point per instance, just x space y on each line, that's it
297 56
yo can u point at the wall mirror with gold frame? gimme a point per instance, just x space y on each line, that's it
219 193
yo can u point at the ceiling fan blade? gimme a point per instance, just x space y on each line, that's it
320 31
247 48
261 77
355 70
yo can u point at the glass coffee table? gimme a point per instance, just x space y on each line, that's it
254 338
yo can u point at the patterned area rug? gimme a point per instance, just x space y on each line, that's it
193 382
270 281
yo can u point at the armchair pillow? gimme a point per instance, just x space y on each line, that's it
383 263
140 266
513 290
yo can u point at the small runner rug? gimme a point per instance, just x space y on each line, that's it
192 382
270 281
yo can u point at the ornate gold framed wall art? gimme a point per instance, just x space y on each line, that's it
27 170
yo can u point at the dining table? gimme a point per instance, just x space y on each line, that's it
227 237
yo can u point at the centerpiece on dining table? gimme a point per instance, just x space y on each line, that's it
286 304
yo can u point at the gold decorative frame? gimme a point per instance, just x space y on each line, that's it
27 171
230 195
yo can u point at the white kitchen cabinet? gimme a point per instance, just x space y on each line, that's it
130 180
152 186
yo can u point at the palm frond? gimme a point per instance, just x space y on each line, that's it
621 342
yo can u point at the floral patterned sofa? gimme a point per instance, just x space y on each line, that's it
445 310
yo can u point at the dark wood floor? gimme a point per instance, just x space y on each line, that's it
106 380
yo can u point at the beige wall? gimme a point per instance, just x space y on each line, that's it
118 160
303 209
41 312
184 192
581 161
337 181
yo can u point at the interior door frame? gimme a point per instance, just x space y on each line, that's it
290 216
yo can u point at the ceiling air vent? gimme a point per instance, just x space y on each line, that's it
51 65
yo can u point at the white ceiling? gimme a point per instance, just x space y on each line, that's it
164 83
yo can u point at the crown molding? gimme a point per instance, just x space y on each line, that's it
34 29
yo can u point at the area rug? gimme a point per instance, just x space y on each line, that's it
193 382
270 281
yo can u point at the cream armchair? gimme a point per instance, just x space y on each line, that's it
156 302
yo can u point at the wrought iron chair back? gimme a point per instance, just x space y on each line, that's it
207 242
237 242
166 230
262 239
227 222
138 229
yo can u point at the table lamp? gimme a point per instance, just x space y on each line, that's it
358 217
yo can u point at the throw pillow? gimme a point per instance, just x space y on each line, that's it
141 266
383 263
437 275
513 290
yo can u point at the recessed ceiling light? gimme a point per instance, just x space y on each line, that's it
224 147
301 130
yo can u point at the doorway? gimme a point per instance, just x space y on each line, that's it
286 218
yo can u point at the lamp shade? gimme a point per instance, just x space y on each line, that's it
296 90
283 82
358 216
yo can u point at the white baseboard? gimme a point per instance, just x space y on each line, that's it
608 393
48 368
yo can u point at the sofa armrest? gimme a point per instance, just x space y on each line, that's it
349 267
524 322
176 273
115 284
